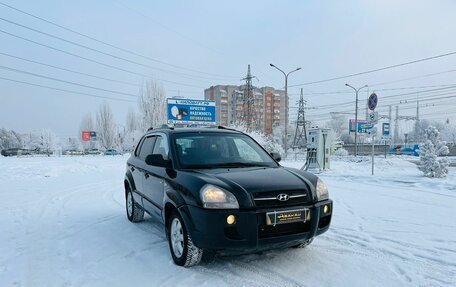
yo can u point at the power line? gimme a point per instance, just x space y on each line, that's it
108 44
93 61
104 53
377 70
414 78
83 74
386 97
376 90
65 81
169 29
64 90
435 99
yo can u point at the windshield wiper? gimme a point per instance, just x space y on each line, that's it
239 164
225 165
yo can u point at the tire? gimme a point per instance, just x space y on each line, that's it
135 212
181 246
303 244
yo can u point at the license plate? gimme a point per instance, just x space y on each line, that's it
287 216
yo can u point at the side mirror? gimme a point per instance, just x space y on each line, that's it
276 156
158 160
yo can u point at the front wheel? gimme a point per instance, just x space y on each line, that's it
183 251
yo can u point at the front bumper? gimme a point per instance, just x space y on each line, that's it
208 227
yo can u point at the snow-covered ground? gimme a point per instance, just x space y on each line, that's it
62 223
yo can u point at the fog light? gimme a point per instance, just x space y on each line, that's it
231 219
326 209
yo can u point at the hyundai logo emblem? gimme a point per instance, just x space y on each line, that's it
283 197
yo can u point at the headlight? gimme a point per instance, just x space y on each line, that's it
217 198
322 190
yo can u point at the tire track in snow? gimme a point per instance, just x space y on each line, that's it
369 242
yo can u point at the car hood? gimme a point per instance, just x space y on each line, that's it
261 179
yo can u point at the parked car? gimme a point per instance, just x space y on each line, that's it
15 151
73 152
111 151
406 150
93 151
217 189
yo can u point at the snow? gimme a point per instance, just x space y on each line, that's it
63 223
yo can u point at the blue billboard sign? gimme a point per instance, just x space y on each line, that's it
363 126
191 112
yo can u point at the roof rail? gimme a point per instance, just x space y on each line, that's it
226 128
165 126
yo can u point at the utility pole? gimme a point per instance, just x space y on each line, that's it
396 126
356 116
285 140
300 138
417 122
389 114
248 101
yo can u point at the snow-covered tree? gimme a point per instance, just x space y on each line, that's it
338 125
48 142
130 140
267 142
10 139
105 126
341 152
449 133
431 164
133 131
152 105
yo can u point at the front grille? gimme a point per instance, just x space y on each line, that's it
269 199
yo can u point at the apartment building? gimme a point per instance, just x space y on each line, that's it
268 106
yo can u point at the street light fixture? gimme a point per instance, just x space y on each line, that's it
356 116
286 103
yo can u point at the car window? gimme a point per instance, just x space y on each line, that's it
146 147
161 147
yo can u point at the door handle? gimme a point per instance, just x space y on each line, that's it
146 175
132 168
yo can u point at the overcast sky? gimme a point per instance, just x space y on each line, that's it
205 43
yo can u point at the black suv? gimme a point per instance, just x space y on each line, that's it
217 189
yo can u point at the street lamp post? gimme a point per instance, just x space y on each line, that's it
356 116
286 104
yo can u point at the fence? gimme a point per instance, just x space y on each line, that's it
366 149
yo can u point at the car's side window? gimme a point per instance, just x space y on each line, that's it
161 147
146 147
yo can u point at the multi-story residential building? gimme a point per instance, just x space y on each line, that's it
268 106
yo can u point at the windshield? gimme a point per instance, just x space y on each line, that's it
219 150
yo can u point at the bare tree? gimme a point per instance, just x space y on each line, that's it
105 126
132 120
152 105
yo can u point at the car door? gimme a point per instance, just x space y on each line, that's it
137 163
155 176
